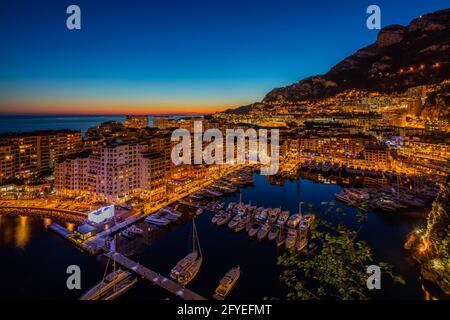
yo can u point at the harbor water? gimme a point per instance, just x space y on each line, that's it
37 258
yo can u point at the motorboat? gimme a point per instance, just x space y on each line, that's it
294 220
263 231
273 233
227 283
291 238
157 219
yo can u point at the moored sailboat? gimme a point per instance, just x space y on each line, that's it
188 267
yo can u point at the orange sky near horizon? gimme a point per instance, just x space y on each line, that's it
110 108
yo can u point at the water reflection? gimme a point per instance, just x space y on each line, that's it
23 232
47 222
151 234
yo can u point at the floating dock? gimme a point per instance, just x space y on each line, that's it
154 277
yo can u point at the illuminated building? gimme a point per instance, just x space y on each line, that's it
154 169
377 154
101 214
26 154
116 169
84 231
164 123
136 122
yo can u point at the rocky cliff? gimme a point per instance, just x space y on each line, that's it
402 57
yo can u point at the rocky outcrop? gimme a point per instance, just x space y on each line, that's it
390 35
402 57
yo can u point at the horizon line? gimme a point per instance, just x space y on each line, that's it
2 114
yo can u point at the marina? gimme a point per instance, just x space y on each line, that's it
232 234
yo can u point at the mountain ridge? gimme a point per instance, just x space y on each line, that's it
402 57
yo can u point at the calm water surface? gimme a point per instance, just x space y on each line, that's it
34 260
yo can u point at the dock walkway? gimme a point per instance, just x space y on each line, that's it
154 277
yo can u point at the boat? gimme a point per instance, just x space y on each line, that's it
158 219
263 231
302 241
223 219
343 197
188 267
254 229
122 287
242 224
170 217
303 225
291 238
282 218
273 215
101 289
294 220
227 283
127 234
170 211
213 192
273 233
113 285
196 196
217 216
280 238
135 230
262 216
231 205
184 270
235 221
309 218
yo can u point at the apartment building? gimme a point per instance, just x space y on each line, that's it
26 154
113 170
136 122
377 154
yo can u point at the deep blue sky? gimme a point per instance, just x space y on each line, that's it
167 55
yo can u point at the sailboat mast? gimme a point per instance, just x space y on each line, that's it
115 238
193 234
196 239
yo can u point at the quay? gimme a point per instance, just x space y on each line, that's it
58 229
97 242
66 234
74 216
154 277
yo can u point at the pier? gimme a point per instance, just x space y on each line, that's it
70 215
66 234
155 278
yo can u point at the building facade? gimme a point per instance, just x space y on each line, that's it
26 154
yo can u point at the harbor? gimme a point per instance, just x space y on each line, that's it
223 248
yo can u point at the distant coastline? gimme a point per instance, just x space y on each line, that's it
27 123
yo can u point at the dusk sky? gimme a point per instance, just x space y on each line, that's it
175 56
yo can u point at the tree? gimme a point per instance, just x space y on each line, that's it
332 267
